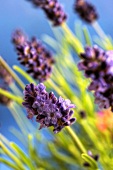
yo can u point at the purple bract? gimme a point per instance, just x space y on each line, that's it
33 55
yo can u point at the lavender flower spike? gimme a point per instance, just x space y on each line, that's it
98 65
33 55
48 110
86 11
52 9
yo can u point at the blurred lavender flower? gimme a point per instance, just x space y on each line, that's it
5 80
86 11
49 110
5 77
3 99
98 65
52 9
93 63
33 55
19 38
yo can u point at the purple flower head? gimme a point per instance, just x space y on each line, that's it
98 65
34 56
48 110
86 11
52 9
93 63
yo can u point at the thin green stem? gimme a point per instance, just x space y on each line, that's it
15 89
102 35
11 96
16 114
26 160
91 134
21 119
61 157
93 137
56 88
76 140
12 156
87 36
9 164
24 74
73 39
90 160
99 30
16 78
18 134
4 139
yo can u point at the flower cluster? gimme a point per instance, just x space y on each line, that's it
86 11
33 55
49 110
98 65
52 9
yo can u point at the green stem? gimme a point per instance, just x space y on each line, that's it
73 40
87 36
59 156
25 159
76 140
19 135
5 140
11 96
56 88
91 134
16 78
9 164
22 121
12 156
102 35
99 30
24 74
15 89
91 161
16 114
95 140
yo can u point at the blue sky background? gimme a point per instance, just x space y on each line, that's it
21 14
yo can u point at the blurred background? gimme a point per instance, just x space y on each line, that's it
21 14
